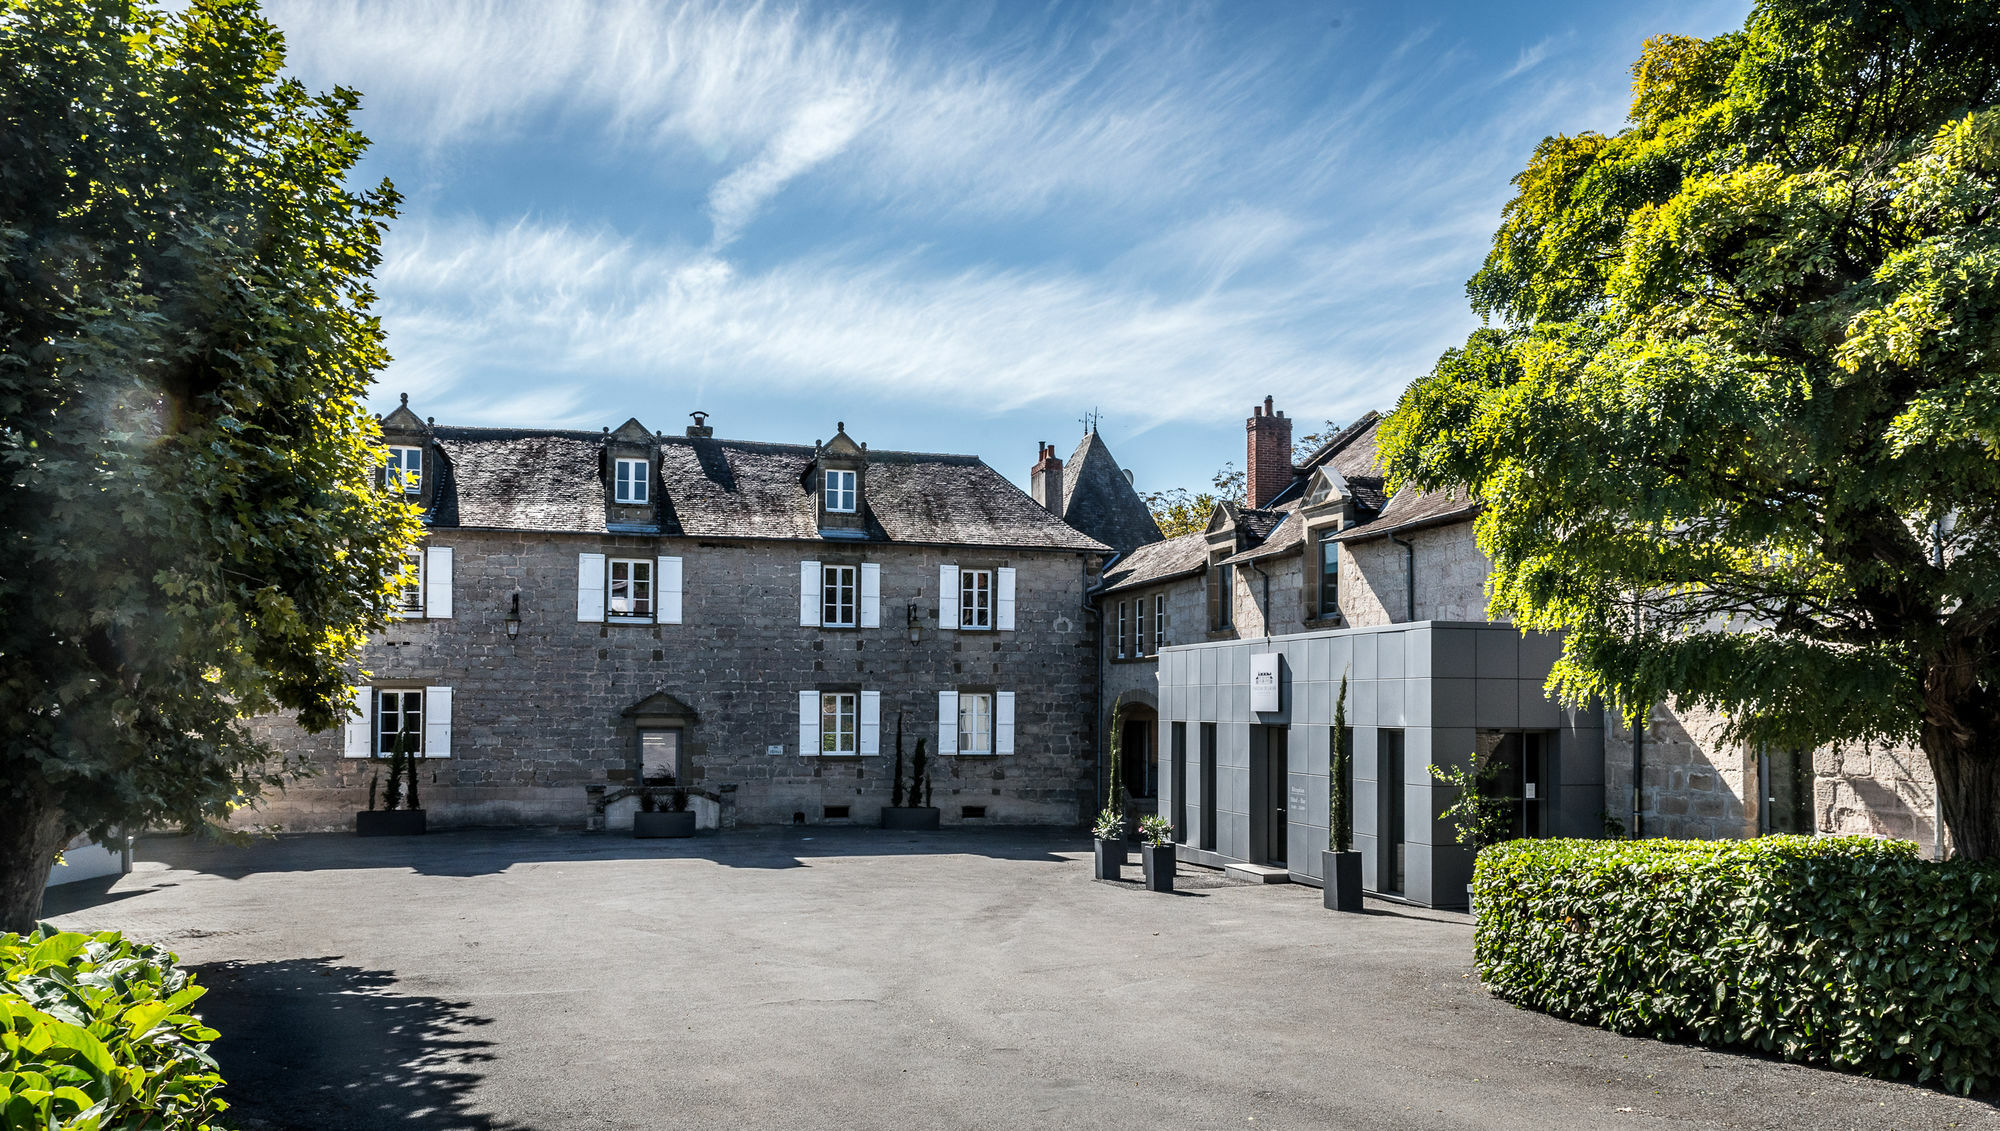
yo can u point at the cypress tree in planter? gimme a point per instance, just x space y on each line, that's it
1340 865
401 814
1109 830
919 815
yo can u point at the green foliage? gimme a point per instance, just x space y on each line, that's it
1339 779
1179 511
1156 830
1477 814
1110 825
95 1033
1832 950
190 532
1744 368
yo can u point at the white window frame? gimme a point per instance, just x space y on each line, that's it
398 471
975 600
410 604
1159 622
839 596
631 482
839 724
1124 615
839 494
633 567
402 697
975 708
1139 621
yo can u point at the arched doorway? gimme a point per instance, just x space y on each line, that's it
1139 754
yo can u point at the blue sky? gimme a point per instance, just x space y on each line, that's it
956 227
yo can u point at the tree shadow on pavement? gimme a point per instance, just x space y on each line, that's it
308 1043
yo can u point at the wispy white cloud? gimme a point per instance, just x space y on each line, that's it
1108 206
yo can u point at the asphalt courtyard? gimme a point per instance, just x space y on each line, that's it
848 978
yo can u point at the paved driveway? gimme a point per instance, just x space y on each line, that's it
846 978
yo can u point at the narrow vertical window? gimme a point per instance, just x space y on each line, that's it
1159 621
1145 637
837 596
1123 613
631 587
839 722
1225 596
631 484
840 492
975 598
412 604
975 722
1329 574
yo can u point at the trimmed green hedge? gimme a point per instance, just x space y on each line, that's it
95 1034
1833 950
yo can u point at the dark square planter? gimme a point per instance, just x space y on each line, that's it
910 818
1160 862
389 822
649 825
1110 858
1340 885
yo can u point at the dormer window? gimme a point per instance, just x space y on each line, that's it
406 470
630 485
840 492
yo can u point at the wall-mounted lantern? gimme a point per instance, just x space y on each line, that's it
514 618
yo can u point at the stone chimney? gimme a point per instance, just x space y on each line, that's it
1045 479
700 429
1269 462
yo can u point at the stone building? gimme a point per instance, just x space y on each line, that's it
762 620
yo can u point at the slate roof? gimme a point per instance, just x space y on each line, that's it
1413 510
1158 561
1099 501
521 479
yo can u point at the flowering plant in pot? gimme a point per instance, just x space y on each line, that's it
663 818
1109 832
1156 852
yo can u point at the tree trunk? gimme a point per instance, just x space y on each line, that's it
1961 737
29 840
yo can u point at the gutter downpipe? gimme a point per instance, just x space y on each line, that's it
1639 767
1410 572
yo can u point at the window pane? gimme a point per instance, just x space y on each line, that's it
413 593
975 723
837 595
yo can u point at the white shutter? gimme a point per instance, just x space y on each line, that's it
948 597
947 722
808 723
437 582
1003 722
360 736
667 582
590 587
437 722
871 722
871 595
1004 601
809 594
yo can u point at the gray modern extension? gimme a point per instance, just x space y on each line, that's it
1243 785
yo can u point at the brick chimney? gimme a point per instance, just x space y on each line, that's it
1045 479
1269 462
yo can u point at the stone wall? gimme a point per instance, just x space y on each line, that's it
537 719
1451 577
1697 785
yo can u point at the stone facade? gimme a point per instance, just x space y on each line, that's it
543 722
1451 577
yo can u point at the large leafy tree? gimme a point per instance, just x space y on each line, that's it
1735 416
189 532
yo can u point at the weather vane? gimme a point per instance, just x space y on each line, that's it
1089 420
